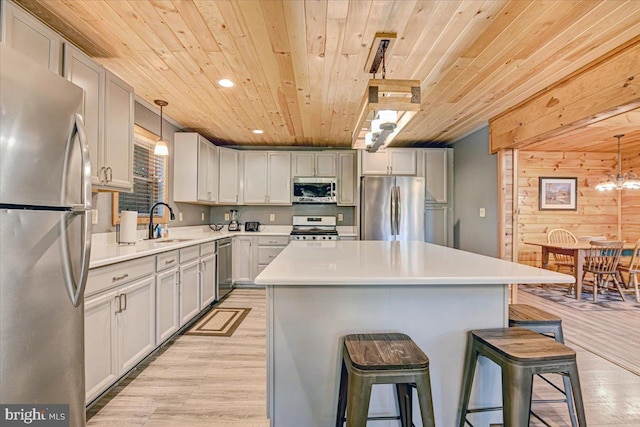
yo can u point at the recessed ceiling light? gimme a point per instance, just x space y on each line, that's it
258 131
225 83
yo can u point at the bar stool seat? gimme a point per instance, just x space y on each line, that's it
387 358
537 320
520 353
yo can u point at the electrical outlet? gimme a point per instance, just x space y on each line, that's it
272 217
226 216
202 216
94 216
180 217
340 217
483 213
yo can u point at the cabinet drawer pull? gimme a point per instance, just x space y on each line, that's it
272 256
171 261
116 278
273 241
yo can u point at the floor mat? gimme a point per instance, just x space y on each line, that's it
219 322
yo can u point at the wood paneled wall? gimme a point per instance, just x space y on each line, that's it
505 203
597 212
631 198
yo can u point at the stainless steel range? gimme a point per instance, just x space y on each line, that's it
314 228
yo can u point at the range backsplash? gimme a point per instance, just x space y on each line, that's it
283 214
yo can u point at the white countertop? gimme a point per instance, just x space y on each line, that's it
404 263
105 250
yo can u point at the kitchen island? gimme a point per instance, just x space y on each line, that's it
318 292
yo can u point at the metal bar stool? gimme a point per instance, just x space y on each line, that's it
520 353
391 358
542 322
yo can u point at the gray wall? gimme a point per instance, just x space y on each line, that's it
191 214
475 187
283 214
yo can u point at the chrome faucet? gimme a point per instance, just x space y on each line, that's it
152 228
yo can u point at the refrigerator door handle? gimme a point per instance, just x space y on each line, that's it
398 204
391 211
76 290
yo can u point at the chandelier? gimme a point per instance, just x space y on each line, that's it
388 104
618 182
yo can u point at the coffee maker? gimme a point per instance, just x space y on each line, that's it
233 224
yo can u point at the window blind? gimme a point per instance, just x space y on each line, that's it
149 173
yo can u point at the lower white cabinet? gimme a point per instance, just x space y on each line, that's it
268 248
119 332
189 290
167 304
207 281
436 221
243 259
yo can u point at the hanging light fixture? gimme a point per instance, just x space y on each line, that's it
161 148
388 104
618 182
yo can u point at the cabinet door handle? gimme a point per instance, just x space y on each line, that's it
118 304
125 302
178 277
103 172
171 261
117 278
110 172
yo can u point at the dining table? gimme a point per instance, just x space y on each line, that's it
578 251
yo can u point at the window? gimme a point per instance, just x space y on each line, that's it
149 182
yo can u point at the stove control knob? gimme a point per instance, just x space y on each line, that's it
304 237
313 237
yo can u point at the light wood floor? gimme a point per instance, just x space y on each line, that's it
220 382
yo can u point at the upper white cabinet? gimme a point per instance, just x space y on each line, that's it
230 176
346 179
195 169
436 164
108 116
117 150
26 34
391 161
313 164
267 178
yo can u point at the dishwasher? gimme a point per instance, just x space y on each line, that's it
224 284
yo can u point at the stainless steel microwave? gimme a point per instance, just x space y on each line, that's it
314 190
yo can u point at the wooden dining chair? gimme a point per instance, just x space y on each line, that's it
602 261
560 235
633 270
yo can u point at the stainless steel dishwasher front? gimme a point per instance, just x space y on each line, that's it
225 273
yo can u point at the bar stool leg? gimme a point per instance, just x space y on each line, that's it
342 396
517 384
403 393
423 385
358 400
559 336
577 394
470 361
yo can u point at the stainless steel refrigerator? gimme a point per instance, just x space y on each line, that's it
392 208
45 237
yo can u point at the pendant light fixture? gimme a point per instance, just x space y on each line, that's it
161 148
618 182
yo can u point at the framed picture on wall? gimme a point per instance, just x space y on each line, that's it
558 194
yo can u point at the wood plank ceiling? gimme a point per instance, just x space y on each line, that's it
298 65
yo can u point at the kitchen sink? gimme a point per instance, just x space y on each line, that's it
168 240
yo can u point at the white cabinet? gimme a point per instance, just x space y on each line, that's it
346 179
436 164
189 290
268 248
436 222
267 178
167 304
100 343
108 113
195 169
207 280
244 265
136 323
26 34
119 332
392 161
90 76
313 164
229 176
